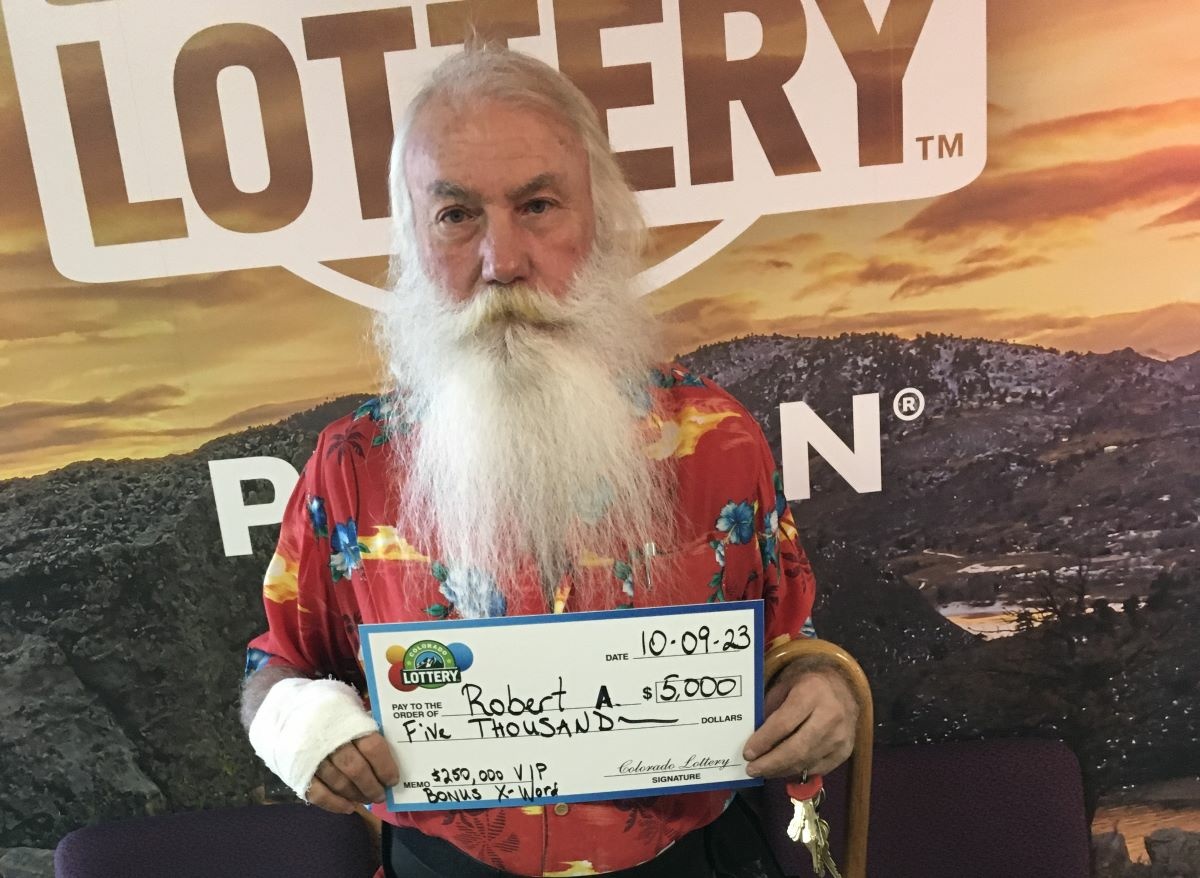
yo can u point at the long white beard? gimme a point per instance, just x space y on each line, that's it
528 446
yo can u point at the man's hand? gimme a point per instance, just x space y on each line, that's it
354 773
811 715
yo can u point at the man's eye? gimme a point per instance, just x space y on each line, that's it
538 206
453 216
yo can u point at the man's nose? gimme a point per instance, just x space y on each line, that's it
505 254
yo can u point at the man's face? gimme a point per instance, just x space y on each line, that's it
501 195
510 308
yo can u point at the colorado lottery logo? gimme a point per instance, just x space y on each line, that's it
427 664
247 135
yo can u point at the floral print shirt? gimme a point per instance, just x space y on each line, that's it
340 562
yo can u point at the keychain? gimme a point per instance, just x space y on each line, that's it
807 826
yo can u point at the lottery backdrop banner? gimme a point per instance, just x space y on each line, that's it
945 251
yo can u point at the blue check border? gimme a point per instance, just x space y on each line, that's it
366 632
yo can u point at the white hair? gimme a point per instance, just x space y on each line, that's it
484 71
530 443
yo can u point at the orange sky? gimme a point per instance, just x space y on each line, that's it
1083 232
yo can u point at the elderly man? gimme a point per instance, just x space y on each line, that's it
533 456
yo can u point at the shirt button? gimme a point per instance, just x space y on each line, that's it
561 809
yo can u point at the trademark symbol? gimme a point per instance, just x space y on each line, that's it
909 404
948 146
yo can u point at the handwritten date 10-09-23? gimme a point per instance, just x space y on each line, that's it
703 640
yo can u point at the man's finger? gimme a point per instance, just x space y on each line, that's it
350 762
818 745
791 714
378 754
338 783
796 753
830 761
323 797
775 697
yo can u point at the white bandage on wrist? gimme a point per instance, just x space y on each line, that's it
302 721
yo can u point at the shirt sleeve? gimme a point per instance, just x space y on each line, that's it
788 586
305 627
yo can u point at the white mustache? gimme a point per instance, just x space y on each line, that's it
504 306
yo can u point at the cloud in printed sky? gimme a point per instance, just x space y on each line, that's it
263 414
33 423
701 319
142 401
832 271
1113 122
839 270
923 284
1020 202
777 253
988 254
1110 133
36 424
1165 332
1189 213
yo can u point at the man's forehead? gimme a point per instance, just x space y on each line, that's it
443 188
441 116
453 149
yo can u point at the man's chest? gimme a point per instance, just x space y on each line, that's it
386 570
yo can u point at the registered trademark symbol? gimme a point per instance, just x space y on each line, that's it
909 404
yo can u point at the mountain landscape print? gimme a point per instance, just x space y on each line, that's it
1029 567
1038 524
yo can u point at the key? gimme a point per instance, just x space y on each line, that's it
810 830
821 851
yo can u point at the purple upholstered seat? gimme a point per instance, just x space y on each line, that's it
272 841
997 809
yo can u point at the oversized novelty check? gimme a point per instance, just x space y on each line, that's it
567 708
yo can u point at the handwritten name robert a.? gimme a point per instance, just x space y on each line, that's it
515 716
527 716
512 705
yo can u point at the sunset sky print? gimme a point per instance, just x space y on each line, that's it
1082 233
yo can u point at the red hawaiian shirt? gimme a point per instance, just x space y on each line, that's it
340 562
